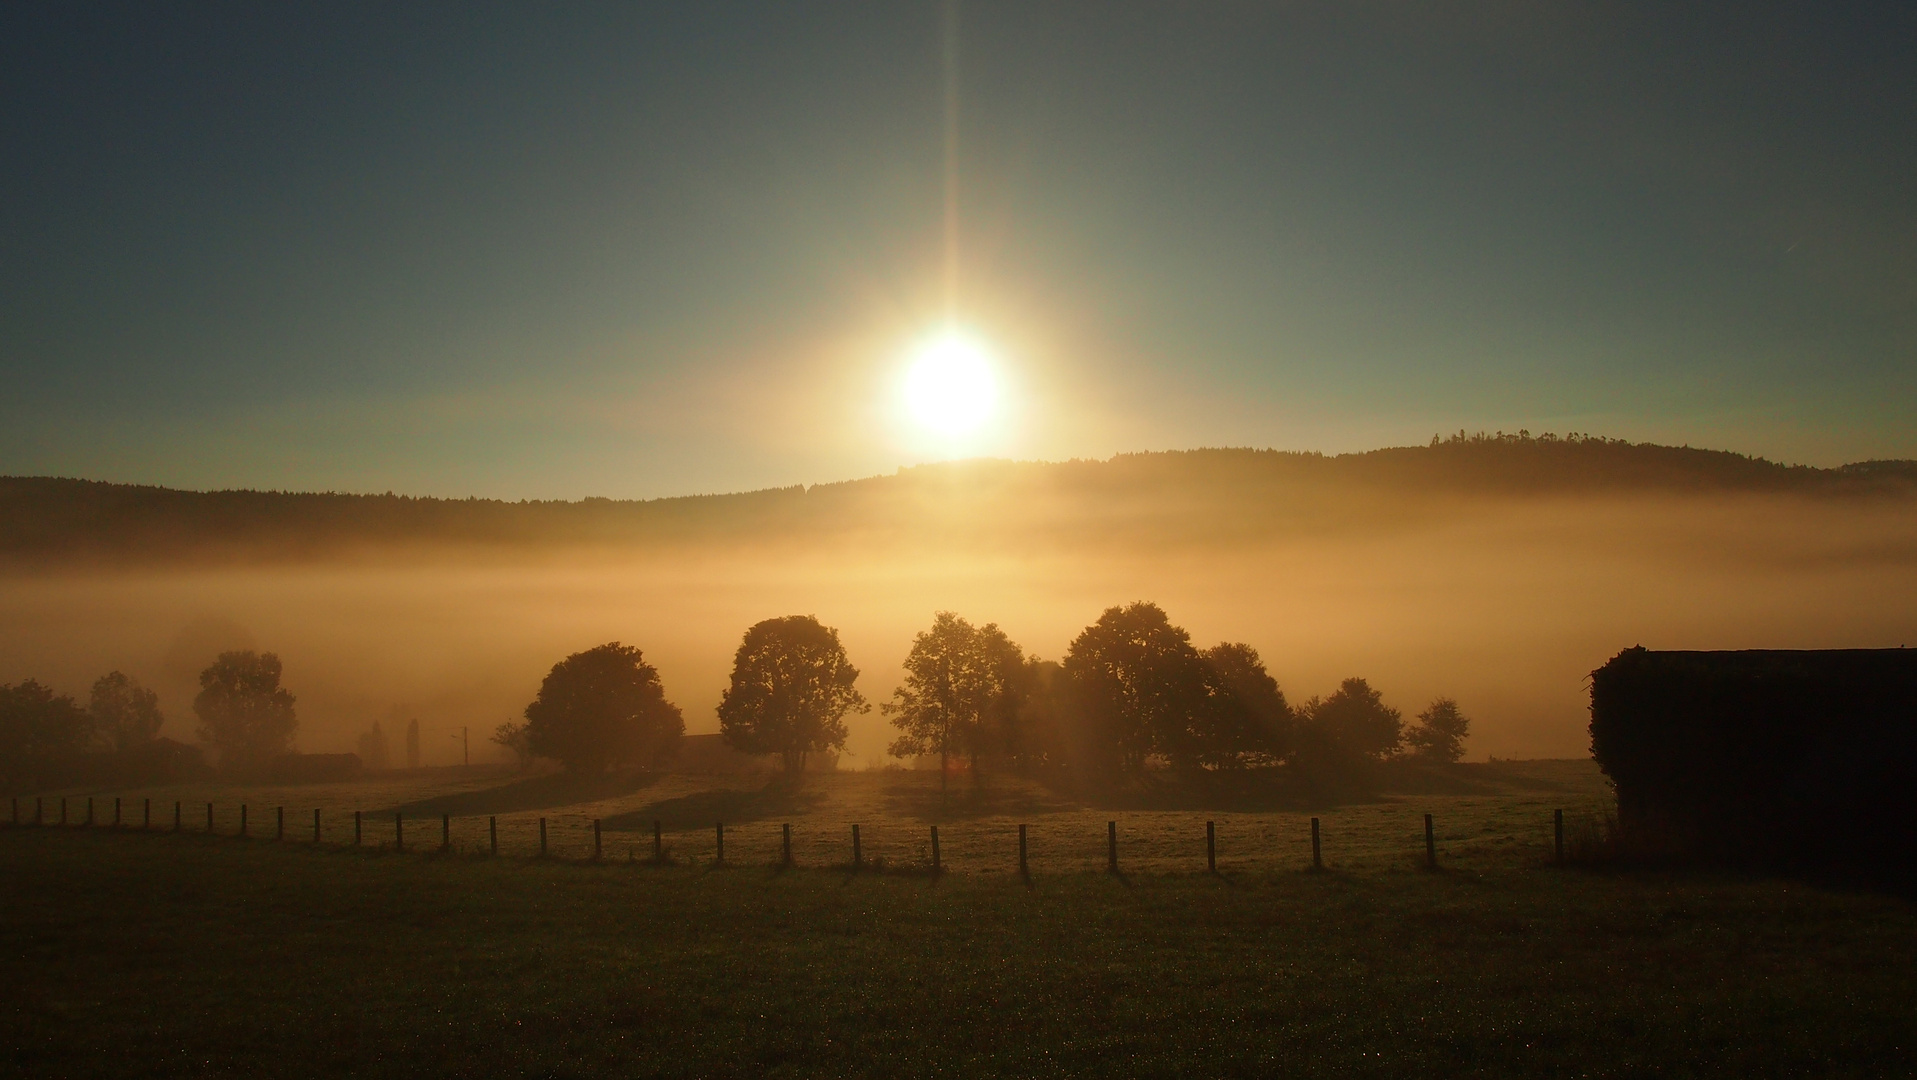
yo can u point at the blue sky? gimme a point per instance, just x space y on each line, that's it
627 250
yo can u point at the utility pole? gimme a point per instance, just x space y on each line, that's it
465 746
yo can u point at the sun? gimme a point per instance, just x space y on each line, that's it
951 386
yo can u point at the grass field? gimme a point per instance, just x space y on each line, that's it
1486 815
129 954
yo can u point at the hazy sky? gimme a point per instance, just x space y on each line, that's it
546 250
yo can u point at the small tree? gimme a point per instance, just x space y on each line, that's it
244 713
791 689
1439 733
1356 719
514 737
961 684
124 713
603 707
39 729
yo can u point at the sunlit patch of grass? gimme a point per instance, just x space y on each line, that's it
1487 816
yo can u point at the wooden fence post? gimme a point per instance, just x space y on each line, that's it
858 859
176 815
1430 845
279 823
785 845
16 809
316 827
399 831
89 821
1557 822
116 811
1211 848
935 851
1111 846
658 842
1317 858
242 819
542 838
720 835
492 835
595 839
356 828
445 832
146 814
1024 869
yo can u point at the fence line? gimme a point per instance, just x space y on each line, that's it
661 853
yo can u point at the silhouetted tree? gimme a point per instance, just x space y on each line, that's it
373 751
1267 735
1146 690
961 682
1356 720
603 707
38 730
1012 678
791 688
1439 733
244 713
124 713
1036 732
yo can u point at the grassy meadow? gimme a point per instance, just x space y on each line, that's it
130 954
1486 815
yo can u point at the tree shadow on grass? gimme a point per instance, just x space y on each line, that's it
995 798
780 798
531 793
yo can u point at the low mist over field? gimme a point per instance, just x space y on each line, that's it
1499 572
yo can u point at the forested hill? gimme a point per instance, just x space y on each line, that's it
1146 497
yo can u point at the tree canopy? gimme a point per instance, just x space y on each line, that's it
1356 719
1147 691
962 686
790 691
244 712
603 707
39 728
1439 733
124 713
1266 736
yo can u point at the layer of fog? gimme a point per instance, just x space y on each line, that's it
1504 604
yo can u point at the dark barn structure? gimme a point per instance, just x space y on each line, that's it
1782 759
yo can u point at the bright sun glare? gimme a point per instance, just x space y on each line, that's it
952 386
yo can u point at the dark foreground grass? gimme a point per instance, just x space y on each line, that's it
128 955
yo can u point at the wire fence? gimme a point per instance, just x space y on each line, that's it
1061 843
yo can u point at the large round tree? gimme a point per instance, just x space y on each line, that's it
244 711
791 688
1147 691
601 708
